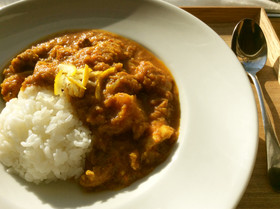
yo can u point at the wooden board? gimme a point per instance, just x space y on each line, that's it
258 194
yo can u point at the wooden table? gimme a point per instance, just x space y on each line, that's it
259 194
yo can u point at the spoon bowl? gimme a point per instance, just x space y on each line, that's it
249 45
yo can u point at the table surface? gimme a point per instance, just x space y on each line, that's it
259 194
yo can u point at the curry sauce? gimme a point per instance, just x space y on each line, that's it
130 101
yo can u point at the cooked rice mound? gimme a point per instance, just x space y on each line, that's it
40 137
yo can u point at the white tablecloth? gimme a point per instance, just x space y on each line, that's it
269 5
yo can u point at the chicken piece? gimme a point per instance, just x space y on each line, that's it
43 75
161 110
159 132
126 115
122 82
24 62
153 79
61 53
106 51
157 142
21 67
11 86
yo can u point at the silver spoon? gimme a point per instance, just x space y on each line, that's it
249 45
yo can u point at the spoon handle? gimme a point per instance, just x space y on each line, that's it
272 143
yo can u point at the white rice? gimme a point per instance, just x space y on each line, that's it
40 137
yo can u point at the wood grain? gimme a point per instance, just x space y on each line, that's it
258 194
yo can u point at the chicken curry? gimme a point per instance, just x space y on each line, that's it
120 90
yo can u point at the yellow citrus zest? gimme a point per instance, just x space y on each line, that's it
58 83
71 80
100 79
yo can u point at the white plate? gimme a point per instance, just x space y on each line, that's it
212 162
